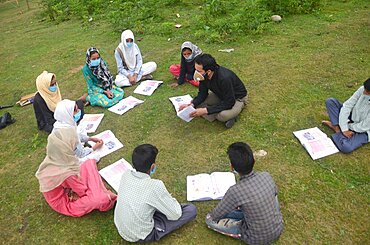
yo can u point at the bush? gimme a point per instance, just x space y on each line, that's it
212 21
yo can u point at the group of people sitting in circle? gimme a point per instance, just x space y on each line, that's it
144 210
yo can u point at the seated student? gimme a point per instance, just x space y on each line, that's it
100 88
227 95
45 100
351 120
130 67
185 71
145 211
68 187
67 115
250 209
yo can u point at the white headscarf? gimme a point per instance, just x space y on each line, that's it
129 53
64 114
195 50
60 161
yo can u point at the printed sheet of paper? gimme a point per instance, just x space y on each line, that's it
90 122
316 142
177 101
125 105
147 87
202 187
111 143
113 173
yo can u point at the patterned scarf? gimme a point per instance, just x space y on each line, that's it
101 71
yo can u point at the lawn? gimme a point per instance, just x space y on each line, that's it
289 71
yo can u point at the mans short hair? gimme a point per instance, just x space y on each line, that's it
207 61
241 157
143 157
367 84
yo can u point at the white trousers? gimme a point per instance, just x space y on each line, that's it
146 68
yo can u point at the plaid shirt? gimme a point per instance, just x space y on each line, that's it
256 195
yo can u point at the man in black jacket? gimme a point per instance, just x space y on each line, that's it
222 95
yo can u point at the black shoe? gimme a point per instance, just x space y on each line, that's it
230 123
146 77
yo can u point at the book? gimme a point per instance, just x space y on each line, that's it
316 142
113 173
177 101
90 122
203 187
26 100
111 143
147 87
125 105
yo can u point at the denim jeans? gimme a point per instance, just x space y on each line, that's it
229 224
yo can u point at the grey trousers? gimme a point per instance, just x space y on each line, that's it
163 226
344 144
225 115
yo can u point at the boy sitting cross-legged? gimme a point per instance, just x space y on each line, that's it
145 210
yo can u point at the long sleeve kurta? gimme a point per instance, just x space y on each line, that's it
359 106
96 95
88 186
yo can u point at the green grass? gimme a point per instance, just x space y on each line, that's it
289 71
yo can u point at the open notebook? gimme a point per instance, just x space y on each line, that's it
113 173
203 187
316 142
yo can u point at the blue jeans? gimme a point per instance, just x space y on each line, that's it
229 228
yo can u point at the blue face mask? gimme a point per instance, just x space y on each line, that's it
234 171
95 62
153 170
129 45
190 57
53 88
77 116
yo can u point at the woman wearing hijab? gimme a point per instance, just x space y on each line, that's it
45 100
100 88
68 187
130 67
67 115
185 71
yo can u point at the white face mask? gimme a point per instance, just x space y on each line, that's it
197 76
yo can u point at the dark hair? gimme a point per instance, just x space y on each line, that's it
367 84
186 48
143 157
241 157
207 61
94 52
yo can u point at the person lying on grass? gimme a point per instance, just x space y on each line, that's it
350 120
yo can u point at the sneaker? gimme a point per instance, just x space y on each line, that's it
146 77
230 123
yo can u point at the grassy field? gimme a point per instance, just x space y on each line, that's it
289 71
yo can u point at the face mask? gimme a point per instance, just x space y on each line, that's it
153 170
77 116
129 45
53 88
367 97
234 171
198 77
95 62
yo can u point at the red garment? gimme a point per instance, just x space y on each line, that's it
175 71
90 189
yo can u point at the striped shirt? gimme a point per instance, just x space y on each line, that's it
256 195
139 196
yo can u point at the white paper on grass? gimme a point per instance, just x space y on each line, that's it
202 187
125 105
177 101
90 122
316 142
147 87
121 79
111 143
113 173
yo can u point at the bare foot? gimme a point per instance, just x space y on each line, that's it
87 103
174 85
330 125
83 98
